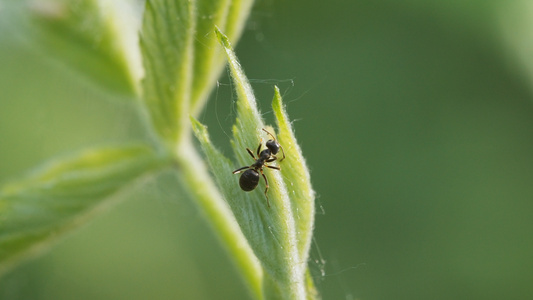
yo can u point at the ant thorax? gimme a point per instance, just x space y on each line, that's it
265 154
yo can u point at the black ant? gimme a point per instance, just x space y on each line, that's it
250 178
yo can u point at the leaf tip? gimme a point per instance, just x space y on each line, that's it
198 128
222 38
276 101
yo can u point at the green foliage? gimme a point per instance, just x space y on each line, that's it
94 37
182 60
279 234
65 193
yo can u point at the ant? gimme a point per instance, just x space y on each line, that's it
250 178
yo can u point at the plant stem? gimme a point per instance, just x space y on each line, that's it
217 212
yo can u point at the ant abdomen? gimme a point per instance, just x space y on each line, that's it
249 180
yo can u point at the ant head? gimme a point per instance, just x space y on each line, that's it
273 146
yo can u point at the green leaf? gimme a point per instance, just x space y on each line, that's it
97 38
209 62
181 59
296 177
272 232
298 181
64 194
167 46
218 213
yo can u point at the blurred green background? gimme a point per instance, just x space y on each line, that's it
416 121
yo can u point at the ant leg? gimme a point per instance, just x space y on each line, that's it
273 158
259 147
251 153
274 167
266 189
240 170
